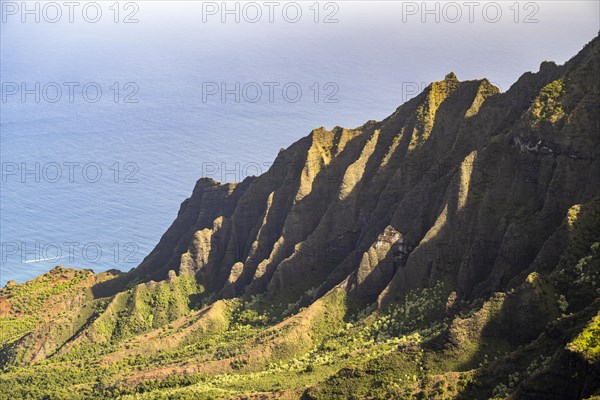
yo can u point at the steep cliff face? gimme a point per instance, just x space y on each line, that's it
475 182
394 257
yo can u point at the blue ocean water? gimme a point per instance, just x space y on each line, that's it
92 180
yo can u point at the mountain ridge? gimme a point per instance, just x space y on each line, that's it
472 94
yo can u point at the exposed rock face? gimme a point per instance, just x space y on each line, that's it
476 180
379 264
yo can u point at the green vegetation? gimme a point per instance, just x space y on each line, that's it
31 296
587 343
547 106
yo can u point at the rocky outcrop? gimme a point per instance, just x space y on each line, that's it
378 265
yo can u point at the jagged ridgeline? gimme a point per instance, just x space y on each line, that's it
451 250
